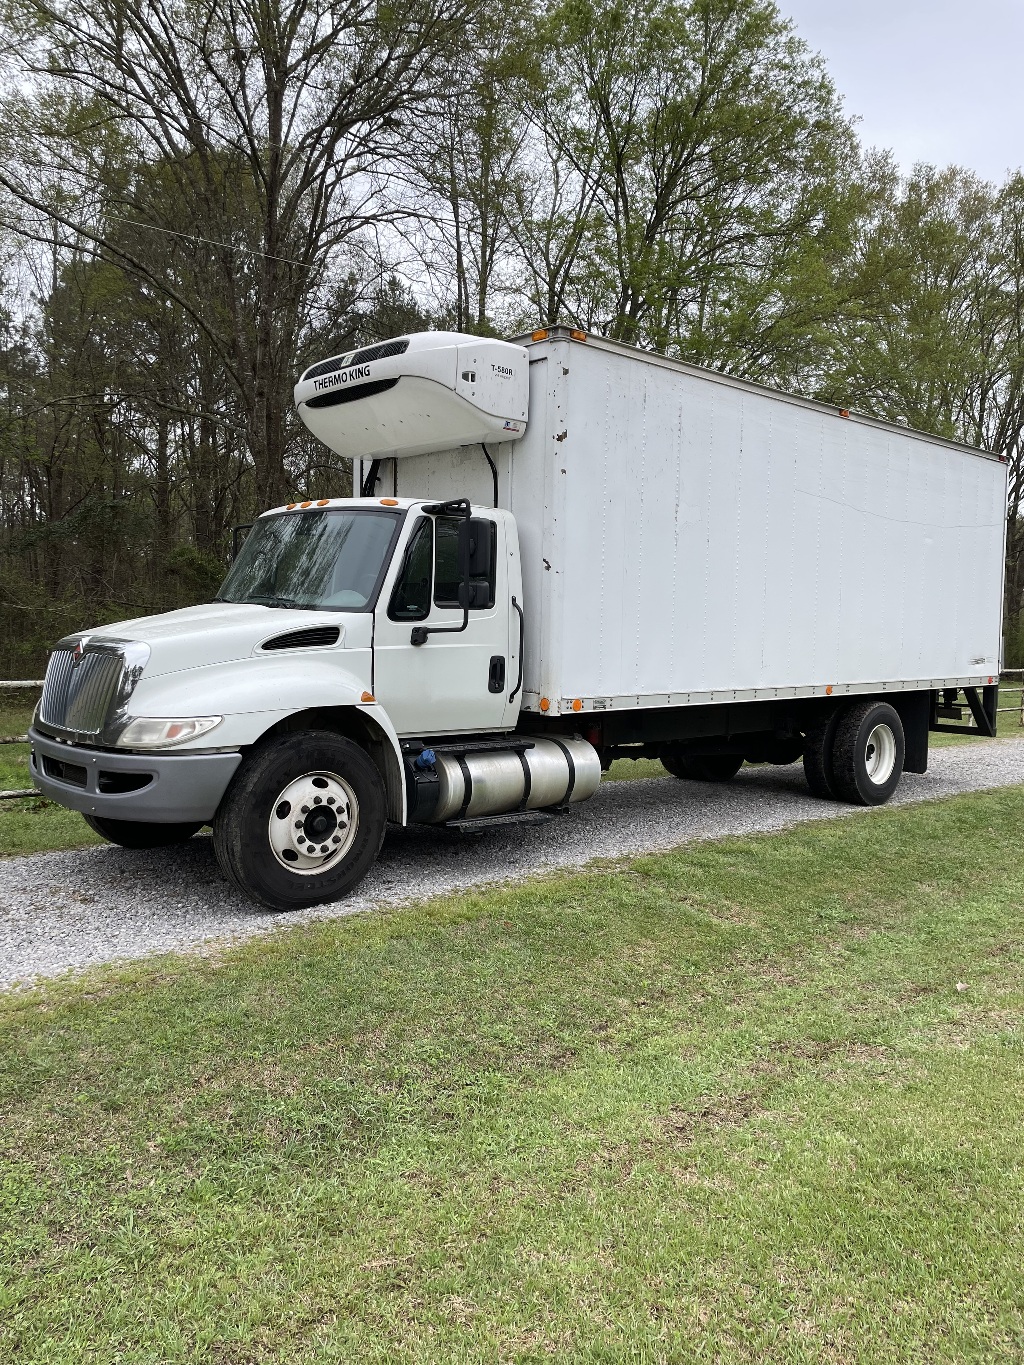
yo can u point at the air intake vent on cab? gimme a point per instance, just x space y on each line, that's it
313 638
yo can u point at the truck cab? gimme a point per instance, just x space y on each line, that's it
294 711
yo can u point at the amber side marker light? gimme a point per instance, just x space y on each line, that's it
844 412
544 704
577 705
389 502
367 696
539 335
828 690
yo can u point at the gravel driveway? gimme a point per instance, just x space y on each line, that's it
65 911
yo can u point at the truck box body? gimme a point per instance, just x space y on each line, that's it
688 538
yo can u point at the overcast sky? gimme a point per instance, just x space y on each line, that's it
934 80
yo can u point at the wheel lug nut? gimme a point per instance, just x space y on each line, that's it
305 810
336 839
318 800
331 801
301 839
298 824
324 848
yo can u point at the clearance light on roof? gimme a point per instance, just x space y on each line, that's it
539 335
389 502
577 335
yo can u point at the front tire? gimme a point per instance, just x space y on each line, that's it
140 833
867 753
302 822
703 767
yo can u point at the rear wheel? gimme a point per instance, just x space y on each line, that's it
703 767
139 833
868 750
818 756
302 822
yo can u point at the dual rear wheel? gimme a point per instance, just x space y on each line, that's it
856 754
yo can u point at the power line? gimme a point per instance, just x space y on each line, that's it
167 232
209 241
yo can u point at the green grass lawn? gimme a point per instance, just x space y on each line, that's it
754 1100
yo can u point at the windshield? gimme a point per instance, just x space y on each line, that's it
326 560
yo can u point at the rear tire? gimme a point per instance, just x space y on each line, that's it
140 833
703 767
818 757
302 822
867 753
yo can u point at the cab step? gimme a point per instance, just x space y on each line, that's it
513 817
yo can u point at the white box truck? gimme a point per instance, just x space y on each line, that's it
563 551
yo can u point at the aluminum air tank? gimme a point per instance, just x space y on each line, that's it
497 779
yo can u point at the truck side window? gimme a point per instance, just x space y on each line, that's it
410 599
446 570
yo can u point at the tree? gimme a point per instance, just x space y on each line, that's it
268 119
706 144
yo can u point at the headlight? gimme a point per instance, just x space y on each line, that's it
152 732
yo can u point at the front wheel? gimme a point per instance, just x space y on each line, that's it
703 767
868 750
302 822
140 833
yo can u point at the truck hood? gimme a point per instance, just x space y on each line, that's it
219 632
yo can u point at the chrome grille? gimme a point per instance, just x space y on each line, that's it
77 697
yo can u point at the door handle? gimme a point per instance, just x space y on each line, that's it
522 636
496 674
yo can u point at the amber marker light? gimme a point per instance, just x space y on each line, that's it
389 502
323 502
577 705
844 412
577 335
828 690
544 704
367 696
539 335
305 504
291 507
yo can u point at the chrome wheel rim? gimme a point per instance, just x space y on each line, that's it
313 823
880 754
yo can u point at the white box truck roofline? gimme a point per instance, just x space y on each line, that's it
436 391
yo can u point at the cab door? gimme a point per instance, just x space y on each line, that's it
455 682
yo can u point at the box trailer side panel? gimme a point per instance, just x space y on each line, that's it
686 537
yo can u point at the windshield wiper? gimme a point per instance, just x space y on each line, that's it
265 600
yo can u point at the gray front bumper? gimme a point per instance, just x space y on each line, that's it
181 787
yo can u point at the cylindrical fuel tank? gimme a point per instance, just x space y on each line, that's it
568 769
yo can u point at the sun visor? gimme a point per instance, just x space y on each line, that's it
416 394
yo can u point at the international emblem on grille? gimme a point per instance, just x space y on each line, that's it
78 651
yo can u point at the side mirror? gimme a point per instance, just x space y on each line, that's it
476 544
479 595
